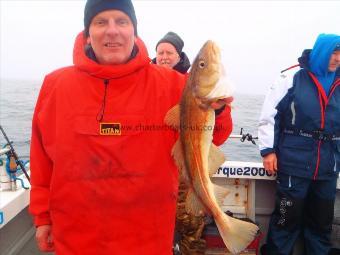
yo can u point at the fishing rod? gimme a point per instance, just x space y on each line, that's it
14 154
245 137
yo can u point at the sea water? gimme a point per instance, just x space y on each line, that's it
18 98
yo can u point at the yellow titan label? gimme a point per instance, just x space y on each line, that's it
110 129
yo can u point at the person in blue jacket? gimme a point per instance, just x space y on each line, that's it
299 135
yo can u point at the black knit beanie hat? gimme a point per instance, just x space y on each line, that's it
173 39
93 7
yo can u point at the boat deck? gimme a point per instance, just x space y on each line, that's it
17 230
30 248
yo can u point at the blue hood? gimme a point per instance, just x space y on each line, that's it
319 59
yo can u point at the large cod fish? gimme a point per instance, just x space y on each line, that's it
195 155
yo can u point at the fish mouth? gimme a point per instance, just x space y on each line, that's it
212 47
216 50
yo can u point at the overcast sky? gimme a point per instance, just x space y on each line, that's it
257 38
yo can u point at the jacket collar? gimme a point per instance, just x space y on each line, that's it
304 59
304 62
183 65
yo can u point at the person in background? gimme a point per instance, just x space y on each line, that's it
103 180
169 53
299 135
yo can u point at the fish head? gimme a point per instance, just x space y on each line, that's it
207 75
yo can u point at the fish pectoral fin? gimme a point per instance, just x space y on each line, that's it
177 153
172 117
216 159
220 194
193 204
203 104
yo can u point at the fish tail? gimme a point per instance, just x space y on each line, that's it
236 234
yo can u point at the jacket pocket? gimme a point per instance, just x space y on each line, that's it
297 151
337 157
105 156
327 159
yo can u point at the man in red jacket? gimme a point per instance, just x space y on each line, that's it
103 180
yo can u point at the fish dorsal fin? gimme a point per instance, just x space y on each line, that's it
220 193
193 204
177 153
172 117
216 159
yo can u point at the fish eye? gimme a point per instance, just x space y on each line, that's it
201 64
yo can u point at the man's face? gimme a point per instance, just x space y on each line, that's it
166 55
334 61
111 35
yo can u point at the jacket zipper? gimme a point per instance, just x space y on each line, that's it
323 100
100 115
